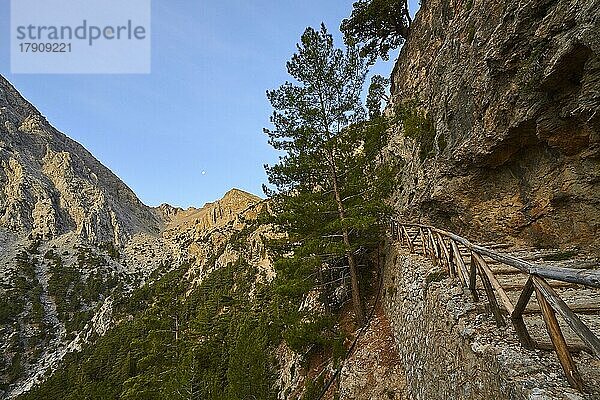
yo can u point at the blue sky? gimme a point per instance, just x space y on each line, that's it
202 108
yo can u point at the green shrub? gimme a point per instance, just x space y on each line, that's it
111 250
418 125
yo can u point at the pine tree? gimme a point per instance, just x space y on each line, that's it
381 25
328 194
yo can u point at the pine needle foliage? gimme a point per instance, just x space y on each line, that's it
329 186
380 25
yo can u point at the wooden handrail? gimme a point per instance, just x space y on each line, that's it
589 278
449 256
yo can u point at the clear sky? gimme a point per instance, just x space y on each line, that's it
192 129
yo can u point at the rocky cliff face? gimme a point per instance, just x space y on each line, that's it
512 91
51 185
208 234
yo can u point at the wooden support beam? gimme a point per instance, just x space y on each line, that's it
558 340
399 233
489 290
496 285
517 316
408 240
413 241
432 248
559 306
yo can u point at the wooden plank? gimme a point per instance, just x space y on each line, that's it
504 270
489 290
558 340
573 348
569 316
496 285
497 245
473 279
578 309
509 287
517 316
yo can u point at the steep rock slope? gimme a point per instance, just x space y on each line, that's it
218 228
512 91
50 185
185 333
69 291
72 236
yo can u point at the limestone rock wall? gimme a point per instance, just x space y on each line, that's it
512 88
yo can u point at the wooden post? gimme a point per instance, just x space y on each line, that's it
446 254
414 239
497 287
423 242
473 279
460 262
434 248
490 293
558 340
569 316
517 316
408 240
452 261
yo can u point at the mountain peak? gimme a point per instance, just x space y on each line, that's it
214 214
236 193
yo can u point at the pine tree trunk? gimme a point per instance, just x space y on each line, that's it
356 298
324 290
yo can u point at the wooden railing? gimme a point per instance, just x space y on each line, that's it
443 249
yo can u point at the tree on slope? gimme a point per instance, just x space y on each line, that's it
381 25
328 188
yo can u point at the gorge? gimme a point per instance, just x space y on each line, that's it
102 296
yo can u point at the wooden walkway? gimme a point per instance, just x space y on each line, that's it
507 278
